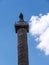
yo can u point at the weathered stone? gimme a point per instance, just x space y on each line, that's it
21 29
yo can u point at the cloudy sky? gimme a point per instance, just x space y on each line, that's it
36 12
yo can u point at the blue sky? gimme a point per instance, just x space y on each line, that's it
9 12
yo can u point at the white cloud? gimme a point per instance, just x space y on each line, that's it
39 27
